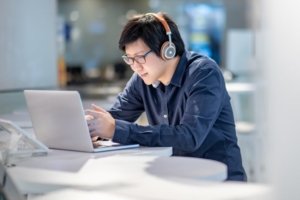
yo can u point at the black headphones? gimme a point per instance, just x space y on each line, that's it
168 49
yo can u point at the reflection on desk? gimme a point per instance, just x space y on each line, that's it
187 169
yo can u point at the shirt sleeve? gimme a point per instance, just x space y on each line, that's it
129 104
205 98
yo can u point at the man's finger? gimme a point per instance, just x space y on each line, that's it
93 134
95 138
96 144
92 113
88 117
97 108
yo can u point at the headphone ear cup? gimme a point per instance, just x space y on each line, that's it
168 51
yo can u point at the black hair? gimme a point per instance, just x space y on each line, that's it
152 32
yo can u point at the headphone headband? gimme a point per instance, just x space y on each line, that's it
162 21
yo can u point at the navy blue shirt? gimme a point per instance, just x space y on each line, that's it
192 114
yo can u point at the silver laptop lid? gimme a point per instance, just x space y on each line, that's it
58 119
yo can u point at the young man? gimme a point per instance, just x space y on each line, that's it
182 93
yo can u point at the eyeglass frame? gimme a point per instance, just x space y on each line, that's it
125 57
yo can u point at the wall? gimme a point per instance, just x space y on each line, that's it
237 16
27 48
96 31
100 22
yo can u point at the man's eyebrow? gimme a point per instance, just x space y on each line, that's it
137 53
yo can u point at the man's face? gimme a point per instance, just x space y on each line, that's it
154 67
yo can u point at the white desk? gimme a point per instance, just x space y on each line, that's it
67 169
240 87
205 191
137 177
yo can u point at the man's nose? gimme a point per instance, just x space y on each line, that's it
136 66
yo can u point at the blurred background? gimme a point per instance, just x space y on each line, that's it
73 45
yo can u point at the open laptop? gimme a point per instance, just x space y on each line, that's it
58 121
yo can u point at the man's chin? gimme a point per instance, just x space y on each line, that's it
153 83
147 82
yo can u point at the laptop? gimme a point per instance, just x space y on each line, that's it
58 121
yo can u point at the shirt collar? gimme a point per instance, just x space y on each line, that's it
156 84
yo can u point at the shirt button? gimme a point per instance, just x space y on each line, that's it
165 116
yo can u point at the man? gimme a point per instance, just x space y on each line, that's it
182 93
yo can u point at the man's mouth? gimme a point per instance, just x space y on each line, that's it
143 75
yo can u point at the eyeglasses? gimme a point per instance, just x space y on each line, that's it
141 59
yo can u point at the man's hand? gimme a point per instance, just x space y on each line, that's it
100 122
